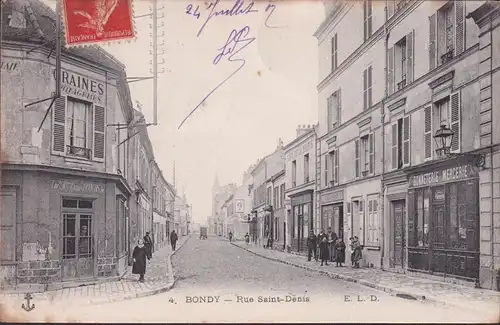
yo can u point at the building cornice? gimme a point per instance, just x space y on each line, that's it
485 13
299 140
119 179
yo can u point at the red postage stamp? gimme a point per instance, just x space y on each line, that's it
97 21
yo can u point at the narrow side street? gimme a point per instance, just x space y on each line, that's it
239 284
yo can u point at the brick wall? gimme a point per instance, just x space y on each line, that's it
106 266
39 272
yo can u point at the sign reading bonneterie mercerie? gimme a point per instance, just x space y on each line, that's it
77 186
300 150
444 175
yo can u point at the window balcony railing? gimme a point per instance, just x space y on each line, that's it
402 84
364 173
447 56
78 151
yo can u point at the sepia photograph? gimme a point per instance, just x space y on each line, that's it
234 161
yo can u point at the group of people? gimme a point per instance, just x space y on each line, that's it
332 248
144 250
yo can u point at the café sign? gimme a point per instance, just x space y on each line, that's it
442 176
77 187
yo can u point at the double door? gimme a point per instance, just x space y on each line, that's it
399 222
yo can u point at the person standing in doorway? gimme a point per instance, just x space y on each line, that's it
332 236
173 239
311 246
339 252
324 250
139 257
148 243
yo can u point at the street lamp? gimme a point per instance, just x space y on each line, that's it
444 138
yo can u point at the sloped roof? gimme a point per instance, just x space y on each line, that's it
40 28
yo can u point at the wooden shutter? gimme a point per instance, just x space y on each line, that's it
339 106
326 169
432 42
409 57
369 91
369 235
459 26
356 155
455 121
394 145
406 140
428 131
336 166
361 212
390 70
372 152
375 223
334 52
365 88
99 129
59 126
348 219
369 9
330 112
390 8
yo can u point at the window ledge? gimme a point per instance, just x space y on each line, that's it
76 160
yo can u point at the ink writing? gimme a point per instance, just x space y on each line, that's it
239 8
195 13
237 41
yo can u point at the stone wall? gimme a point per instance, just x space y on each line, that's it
7 276
39 272
106 266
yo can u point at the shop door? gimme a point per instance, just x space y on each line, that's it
338 221
78 253
355 219
399 219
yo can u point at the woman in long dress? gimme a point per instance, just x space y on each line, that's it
139 256
323 248
339 249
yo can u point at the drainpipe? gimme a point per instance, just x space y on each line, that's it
382 120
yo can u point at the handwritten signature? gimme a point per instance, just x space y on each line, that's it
236 42
239 8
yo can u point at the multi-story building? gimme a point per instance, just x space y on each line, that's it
242 206
422 69
300 180
182 215
276 216
162 199
219 195
64 193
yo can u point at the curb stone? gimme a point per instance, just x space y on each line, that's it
386 289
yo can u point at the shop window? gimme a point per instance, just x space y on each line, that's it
69 236
421 222
85 242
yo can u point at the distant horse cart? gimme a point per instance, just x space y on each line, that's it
203 232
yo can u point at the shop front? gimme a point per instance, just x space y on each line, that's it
302 219
443 219
332 211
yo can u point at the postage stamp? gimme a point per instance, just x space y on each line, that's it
97 21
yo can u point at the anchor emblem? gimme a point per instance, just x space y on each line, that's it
28 298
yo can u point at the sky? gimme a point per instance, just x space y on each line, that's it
242 120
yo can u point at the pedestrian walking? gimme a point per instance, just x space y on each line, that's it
173 239
356 254
247 238
139 256
339 252
148 243
333 240
311 246
230 236
319 239
324 250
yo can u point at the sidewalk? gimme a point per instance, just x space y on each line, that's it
481 300
158 279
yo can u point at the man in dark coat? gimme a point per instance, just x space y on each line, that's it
324 250
173 239
339 252
333 239
149 244
319 239
139 256
311 246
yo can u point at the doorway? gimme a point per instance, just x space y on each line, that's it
399 222
78 238
338 220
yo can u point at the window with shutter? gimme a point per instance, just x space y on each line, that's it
432 42
455 121
369 235
99 132
326 169
375 240
406 141
336 167
367 88
367 14
361 212
357 160
59 126
339 107
334 52
372 153
459 27
428 132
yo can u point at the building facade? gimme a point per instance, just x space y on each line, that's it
415 68
64 201
300 171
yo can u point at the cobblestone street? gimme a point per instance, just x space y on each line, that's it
233 277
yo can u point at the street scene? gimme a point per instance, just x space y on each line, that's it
250 161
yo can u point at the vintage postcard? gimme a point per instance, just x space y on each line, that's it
188 161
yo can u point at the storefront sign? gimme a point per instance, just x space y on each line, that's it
81 87
77 186
9 65
306 147
239 206
332 196
301 199
445 175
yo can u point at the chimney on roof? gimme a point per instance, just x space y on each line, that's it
304 129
